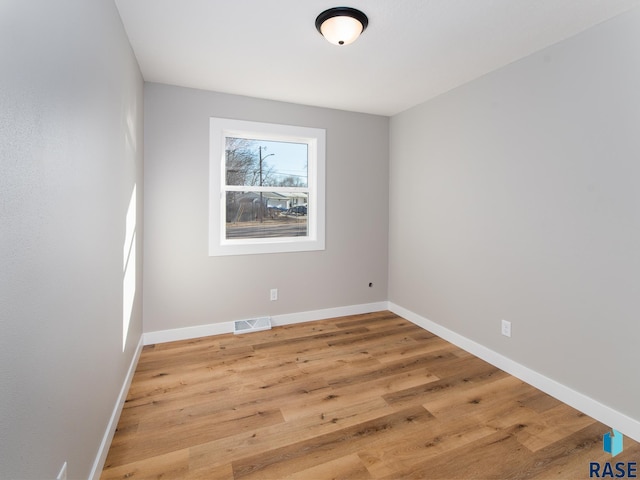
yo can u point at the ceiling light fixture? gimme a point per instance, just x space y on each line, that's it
341 25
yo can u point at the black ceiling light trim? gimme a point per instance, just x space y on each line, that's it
341 12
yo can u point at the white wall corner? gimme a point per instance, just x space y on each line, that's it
626 425
101 457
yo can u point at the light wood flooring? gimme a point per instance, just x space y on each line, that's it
362 397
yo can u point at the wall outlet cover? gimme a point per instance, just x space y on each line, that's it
506 328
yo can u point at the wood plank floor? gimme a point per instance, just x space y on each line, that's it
361 397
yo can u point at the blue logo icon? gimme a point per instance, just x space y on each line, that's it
612 442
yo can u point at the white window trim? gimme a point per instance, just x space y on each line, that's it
220 128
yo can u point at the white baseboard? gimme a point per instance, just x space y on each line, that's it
291 318
186 333
98 464
603 413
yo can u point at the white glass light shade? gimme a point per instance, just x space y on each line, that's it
341 25
341 30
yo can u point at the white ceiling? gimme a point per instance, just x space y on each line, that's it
412 51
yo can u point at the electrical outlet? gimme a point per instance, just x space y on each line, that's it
274 294
63 472
506 328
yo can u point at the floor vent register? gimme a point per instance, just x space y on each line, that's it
252 325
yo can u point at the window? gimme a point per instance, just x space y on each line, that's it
266 188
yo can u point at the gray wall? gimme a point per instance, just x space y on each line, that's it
70 153
186 287
516 197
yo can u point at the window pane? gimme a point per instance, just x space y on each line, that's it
265 215
265 163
